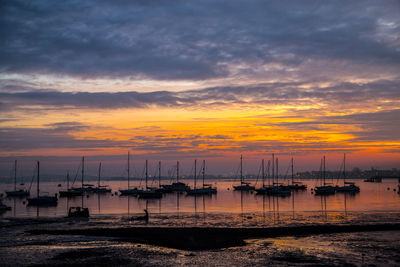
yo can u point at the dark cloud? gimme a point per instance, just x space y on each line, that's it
27 139
268 94
191 39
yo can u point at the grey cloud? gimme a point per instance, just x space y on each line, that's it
25 139
191 40
263 94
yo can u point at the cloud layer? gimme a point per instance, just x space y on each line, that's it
193 40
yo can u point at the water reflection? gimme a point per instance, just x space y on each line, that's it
373 197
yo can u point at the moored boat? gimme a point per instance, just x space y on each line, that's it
129 191
17 192
42 200
101 188
296 185
176 186
244 186
207 189
69 192
324 189
149 192
347 186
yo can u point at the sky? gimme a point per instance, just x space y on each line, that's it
184 80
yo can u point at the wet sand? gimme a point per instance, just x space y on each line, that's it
204 238
61 242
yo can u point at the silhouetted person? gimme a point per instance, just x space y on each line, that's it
142 218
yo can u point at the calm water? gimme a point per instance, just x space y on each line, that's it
227 207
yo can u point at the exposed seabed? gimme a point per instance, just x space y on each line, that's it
60 242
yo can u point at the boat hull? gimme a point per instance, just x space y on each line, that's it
244 188
150 194
348 188
297 187
70 193
43 201
325 190
78 212
18 193
202 191
130 192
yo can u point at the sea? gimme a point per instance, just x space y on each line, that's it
375 203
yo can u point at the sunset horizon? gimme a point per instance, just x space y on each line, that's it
214 89
200 133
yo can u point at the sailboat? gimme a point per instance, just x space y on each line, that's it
15 192
263 189
347 186
207 189
44 199
277 189
177 186
101 188
129 191
244 186
324 189
84 187
296 185
161 188
70 192
149 192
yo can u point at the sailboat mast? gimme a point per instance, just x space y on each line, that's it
67 180
128 170
292 171
38 167
263 176
277 171
159 174
83 169
268 172
241 169
324 171
98 182
147 176
177 171
195 172
273 168
344 167
204 170
15 175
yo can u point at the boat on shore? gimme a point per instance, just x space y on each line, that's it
42 200
78 212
